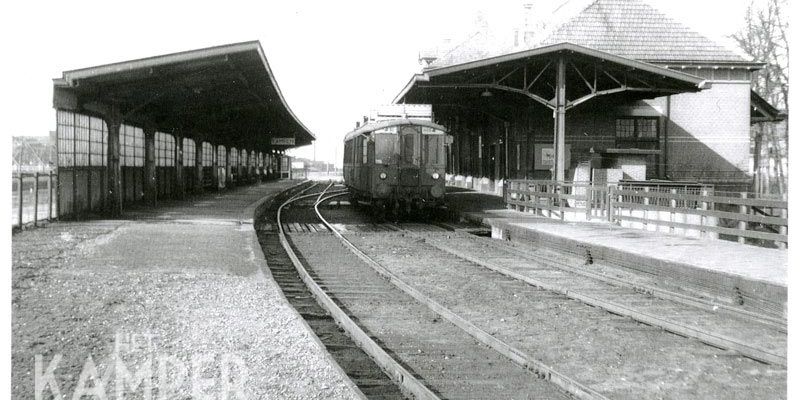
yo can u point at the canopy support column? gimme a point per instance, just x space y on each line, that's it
114 169
559 120
150 189
179 182
198 162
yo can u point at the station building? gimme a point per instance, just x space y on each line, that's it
616 85
170 125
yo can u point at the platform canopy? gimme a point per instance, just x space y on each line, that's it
225 94
532 75
762 111
559 77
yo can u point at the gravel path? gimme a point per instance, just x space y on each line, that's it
144 297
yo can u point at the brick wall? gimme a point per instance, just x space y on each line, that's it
709 132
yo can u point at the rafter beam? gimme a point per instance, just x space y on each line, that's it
612 78
528 87
589 85
532 96
506 76
583 99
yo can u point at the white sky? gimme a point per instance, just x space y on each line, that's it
333 60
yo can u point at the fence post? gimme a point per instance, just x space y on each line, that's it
36 199
703 217
548 201
645 203
742 224
782 229
673 203
19 209
560 189
50 196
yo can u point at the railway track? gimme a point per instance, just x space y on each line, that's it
646 346
587 334
427 357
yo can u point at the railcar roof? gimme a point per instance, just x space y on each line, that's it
374 126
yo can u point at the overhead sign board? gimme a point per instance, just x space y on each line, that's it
410 111
282 141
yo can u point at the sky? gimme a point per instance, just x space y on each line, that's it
333 60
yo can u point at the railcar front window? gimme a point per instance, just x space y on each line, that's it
434 149
409 146
385 149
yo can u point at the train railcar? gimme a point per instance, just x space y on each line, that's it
396 164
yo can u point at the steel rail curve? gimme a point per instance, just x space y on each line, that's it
537 367
401 376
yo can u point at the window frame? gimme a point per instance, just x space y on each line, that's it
636 130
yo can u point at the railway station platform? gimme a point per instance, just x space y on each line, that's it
741 275
182 282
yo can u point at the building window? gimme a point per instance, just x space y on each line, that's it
637 129
221 156
98 137
626 128
81 140
234 158
208 154
132 146
188 152
165 150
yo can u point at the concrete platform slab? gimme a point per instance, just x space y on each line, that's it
721 270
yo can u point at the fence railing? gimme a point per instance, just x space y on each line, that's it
33 198
693 210
563 200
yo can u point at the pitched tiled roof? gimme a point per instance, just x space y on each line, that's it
477 46
627 28
634 29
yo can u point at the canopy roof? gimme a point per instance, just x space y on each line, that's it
531 75
762 111
226 94
374 126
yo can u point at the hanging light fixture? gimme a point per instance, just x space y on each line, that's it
486 93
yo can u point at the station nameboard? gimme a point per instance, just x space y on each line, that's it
282 141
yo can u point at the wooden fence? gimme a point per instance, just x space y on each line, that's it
33 198
559 199
668 208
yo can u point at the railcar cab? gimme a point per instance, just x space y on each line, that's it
396 161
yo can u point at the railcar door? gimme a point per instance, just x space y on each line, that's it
410 139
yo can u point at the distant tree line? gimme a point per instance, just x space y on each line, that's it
765 38
33 154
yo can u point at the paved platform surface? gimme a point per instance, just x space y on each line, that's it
715 266
180 290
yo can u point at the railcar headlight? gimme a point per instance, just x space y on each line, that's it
435 176
382 175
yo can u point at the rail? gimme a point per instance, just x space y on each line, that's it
692 210
34 198
399 374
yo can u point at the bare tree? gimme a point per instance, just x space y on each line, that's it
765 38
